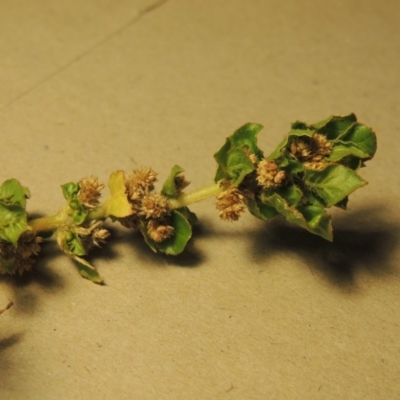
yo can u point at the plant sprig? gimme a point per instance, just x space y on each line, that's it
315 167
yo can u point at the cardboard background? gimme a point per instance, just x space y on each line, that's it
251 310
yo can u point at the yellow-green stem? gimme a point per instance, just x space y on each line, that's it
195 196
50 223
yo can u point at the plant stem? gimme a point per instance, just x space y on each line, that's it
53 222
195 196
50 223
97 213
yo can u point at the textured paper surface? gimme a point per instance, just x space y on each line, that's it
251 310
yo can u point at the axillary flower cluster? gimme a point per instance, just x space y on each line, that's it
315 167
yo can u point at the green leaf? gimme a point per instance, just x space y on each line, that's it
291 193
221 157
88 271
79 213
150 242
233 157
12 192
294 133
342 150
169 188
318 221
246 138
235 166
333 183
238 166
13 222
359 141
189 215
70 190
363 138
73 244
335 127
312 218
182 233
261 210
117 205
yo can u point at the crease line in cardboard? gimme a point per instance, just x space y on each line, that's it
139 14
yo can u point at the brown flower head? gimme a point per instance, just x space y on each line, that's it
269 175
154 206
90 191
19 258
312 150
93 235
231 203
181 183
140 182
158 230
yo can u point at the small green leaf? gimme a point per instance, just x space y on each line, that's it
117 205
70 190
221 157
182 233
79 213
88 271
73 244
333 183
261 210
169 188
13 222
246 138
12 192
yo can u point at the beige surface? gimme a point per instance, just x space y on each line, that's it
251 311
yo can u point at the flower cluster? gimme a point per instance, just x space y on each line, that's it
231 203
268 174
311 150
20 257
90 191
148 208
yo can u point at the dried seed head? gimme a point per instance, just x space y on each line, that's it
90 191
131 222
21 256
322 147
231 203
252 157
140 182
311 150
158 230
154 206
269 175
300 149
181 183
93 235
